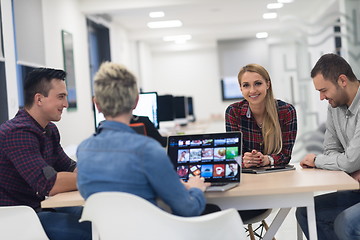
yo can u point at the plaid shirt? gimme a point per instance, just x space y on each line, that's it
30 157
237 119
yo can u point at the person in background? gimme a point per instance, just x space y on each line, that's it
338 213
33 164
151 130
269 126
116 158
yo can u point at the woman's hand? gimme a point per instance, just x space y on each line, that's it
255 159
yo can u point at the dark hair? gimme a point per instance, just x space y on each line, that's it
38 81
331 66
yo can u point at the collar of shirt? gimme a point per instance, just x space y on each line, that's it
23 114
245 109
355 104
113 125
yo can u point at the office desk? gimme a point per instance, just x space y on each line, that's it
282 190
66 199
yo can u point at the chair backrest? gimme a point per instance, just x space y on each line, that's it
139 128
20 222
118 215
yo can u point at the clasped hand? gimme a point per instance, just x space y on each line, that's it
254 159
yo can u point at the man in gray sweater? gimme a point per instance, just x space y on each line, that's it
336 82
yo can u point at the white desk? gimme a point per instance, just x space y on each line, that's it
282 190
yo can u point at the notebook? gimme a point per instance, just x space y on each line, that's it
268 169
212 156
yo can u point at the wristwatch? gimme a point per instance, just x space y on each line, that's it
271 160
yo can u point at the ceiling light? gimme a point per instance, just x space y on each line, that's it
262 35
156 14
285 1
180 41
270 15
177 37
165 24
275 5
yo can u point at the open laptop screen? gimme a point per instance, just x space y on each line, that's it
211 156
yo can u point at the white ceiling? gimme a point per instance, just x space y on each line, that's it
207 20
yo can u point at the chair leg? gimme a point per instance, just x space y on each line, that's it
266 226
251 232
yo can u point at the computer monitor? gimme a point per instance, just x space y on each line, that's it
191 114
99 117
148 106
166 110
181 110
230 88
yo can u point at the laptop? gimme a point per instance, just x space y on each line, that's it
211 155
268 169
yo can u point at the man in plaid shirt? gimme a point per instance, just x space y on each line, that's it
33 164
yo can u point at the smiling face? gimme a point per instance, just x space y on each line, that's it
53 105
254 87
333 92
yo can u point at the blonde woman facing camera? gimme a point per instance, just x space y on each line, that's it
268 125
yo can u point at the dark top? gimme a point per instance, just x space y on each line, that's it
150 129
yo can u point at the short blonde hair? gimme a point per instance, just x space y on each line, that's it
115 89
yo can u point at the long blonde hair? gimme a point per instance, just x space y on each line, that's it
271 129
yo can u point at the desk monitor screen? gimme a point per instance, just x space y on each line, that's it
148 106
181 110
211 155
99 117
166 108
230 88
191 115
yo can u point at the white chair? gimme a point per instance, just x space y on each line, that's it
20 222
118 215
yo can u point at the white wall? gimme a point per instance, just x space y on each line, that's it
10 60
145 71
121 48
352 33
77 124
236 53
190 73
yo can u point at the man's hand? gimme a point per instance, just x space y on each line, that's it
308 161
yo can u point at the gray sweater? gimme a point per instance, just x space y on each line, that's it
342 138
